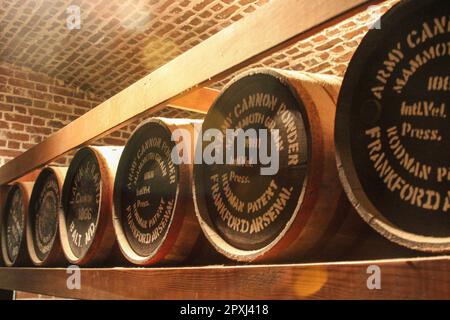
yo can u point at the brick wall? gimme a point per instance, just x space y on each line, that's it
327 52
33 105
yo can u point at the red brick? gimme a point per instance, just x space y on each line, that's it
20 100
4 124
27 146
39 104
13 145
36 77
61 91
60 108
40 113
79 103
17 126
38 122
6 107
80 111
6 72
17 136
79 94
19 91
20 83
20 75
21 110
59 99
55 124
328 44
353 34
17 118
40 95
114 141
38 130
41 87
9 153
61 116
6 89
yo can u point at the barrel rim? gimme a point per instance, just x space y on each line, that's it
58 173
344 160
63 232
177 213
216 240
18 186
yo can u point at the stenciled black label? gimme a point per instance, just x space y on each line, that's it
248 209
46 217
15 223
149 188
83 205
400 122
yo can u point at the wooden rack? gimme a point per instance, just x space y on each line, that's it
182 84
419 278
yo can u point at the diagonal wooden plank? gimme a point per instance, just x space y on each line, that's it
197 100
273 25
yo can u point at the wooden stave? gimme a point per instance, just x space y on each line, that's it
291 244
3 194
56 255
23 258
345 163
183 234
103 249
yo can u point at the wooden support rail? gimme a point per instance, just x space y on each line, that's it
416 278
271 27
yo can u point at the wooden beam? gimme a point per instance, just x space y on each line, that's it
81 131
197 100
29 177
418 278
273 25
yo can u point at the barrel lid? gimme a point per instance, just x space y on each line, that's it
243 211
43 213
146 191
14 223
80 200
392 126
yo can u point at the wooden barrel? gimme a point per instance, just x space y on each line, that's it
393 126
290 214
154 215
13 243
43 240
87 233
3 195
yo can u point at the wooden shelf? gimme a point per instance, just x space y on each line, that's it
414 278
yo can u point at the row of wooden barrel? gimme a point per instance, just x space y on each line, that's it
385 124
